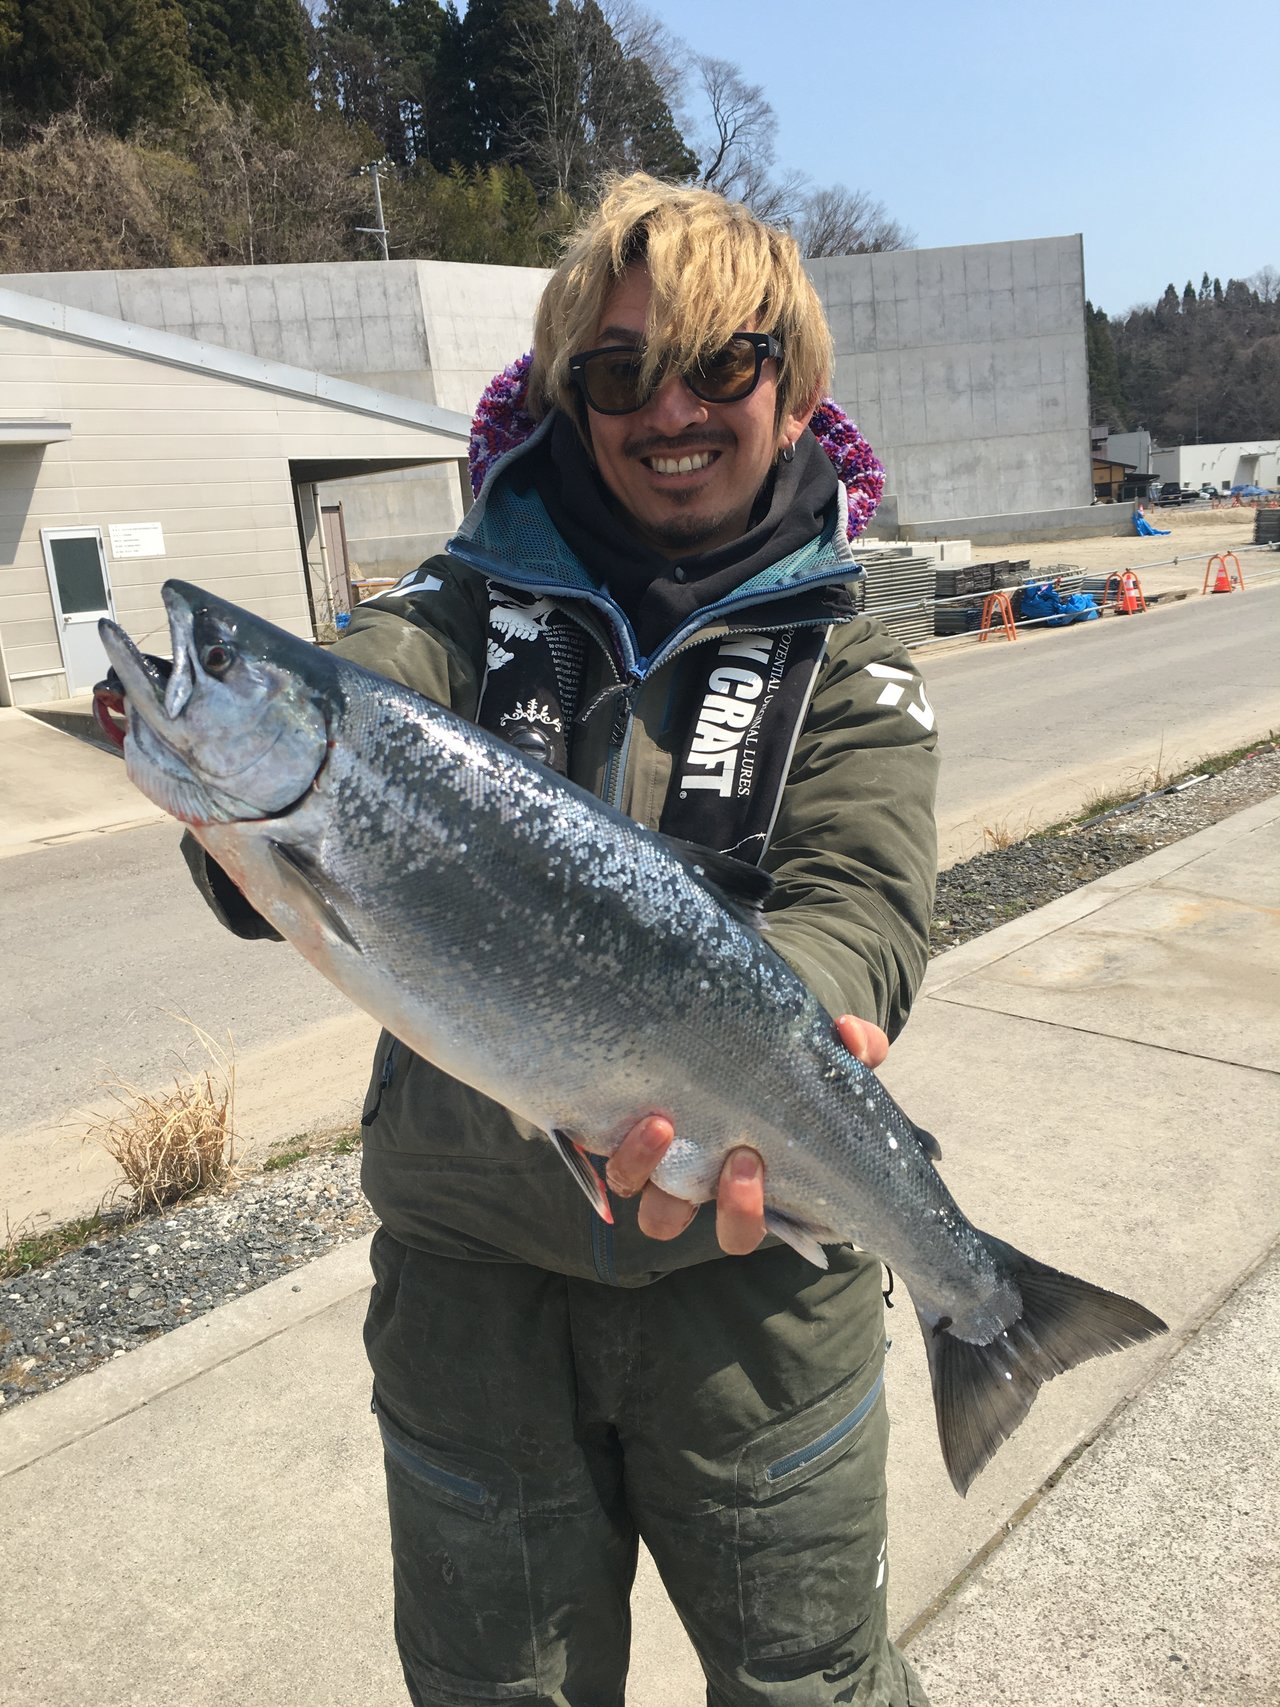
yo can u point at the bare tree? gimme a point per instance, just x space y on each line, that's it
738 146
839 221
595 103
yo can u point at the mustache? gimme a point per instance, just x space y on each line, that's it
654 444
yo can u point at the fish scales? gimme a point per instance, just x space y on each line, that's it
702 990
581 971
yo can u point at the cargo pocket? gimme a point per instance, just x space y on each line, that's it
464 1621
811 1533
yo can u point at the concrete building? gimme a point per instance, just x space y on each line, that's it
435 331
128 455
1255 462
964 367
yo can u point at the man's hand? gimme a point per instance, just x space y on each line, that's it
740 1199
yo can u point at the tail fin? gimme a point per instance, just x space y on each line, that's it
982 1392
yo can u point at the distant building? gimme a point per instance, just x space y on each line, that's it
1253 462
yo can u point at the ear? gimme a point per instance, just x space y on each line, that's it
790 426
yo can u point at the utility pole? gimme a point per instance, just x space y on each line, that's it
380 229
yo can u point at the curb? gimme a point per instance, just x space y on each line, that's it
87 1403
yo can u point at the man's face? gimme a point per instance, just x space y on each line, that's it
732 445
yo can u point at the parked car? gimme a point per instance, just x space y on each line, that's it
1209 490
1172 493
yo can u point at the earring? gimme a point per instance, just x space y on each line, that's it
787 453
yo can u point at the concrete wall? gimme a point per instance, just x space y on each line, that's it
966 369
1028 526
361 320
205 455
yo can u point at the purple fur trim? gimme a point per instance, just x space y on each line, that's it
502 422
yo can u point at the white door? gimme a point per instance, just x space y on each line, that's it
81 594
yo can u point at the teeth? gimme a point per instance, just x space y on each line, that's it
681 465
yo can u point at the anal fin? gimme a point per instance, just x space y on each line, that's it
578 1162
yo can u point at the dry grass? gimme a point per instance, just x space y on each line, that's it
169 1144
1003 834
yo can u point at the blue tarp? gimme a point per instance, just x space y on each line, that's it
1144 526
1041 599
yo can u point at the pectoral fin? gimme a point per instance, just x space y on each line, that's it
304 878
578 1162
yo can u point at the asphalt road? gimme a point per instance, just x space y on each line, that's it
104 941
106 944
1031 731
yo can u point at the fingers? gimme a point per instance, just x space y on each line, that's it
740 1203
863 1039
662 1216
639 1154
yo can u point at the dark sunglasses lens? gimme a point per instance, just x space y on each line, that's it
727 374
612 382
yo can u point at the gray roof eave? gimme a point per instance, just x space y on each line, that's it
79 324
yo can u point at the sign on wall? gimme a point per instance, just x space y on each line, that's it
136 539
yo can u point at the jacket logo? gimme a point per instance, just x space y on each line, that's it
893 694
531 712
722 755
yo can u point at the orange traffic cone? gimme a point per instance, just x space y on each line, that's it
1223 582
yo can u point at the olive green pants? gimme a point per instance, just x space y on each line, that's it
534 1426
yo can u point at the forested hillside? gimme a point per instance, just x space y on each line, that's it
186 132
1203 367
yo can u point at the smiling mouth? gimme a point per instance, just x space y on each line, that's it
689 464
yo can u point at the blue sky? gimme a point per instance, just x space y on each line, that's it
1151 128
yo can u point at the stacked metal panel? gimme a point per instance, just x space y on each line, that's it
900 594
953 583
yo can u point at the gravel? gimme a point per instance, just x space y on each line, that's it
142 1278
1005 883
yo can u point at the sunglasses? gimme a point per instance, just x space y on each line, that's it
609 379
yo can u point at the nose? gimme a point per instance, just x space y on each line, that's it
673 408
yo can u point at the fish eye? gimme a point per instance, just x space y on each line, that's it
217 659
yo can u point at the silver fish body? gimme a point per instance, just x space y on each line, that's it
581 971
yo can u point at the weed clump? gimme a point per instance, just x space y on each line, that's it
169 1144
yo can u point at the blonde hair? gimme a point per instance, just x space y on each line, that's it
713 265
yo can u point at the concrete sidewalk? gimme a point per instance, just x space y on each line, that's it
202 1520
53 789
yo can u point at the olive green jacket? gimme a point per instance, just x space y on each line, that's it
852 855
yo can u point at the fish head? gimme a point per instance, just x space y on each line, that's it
239 728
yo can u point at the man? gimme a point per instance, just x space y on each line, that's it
652 594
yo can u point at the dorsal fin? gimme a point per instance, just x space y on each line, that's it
743 888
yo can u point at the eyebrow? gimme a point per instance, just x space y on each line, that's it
621 335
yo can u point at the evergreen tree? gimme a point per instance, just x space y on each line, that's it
362 69
422 28
447 124
1107 403
250 50
57 59
500 37
150 67
10 30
